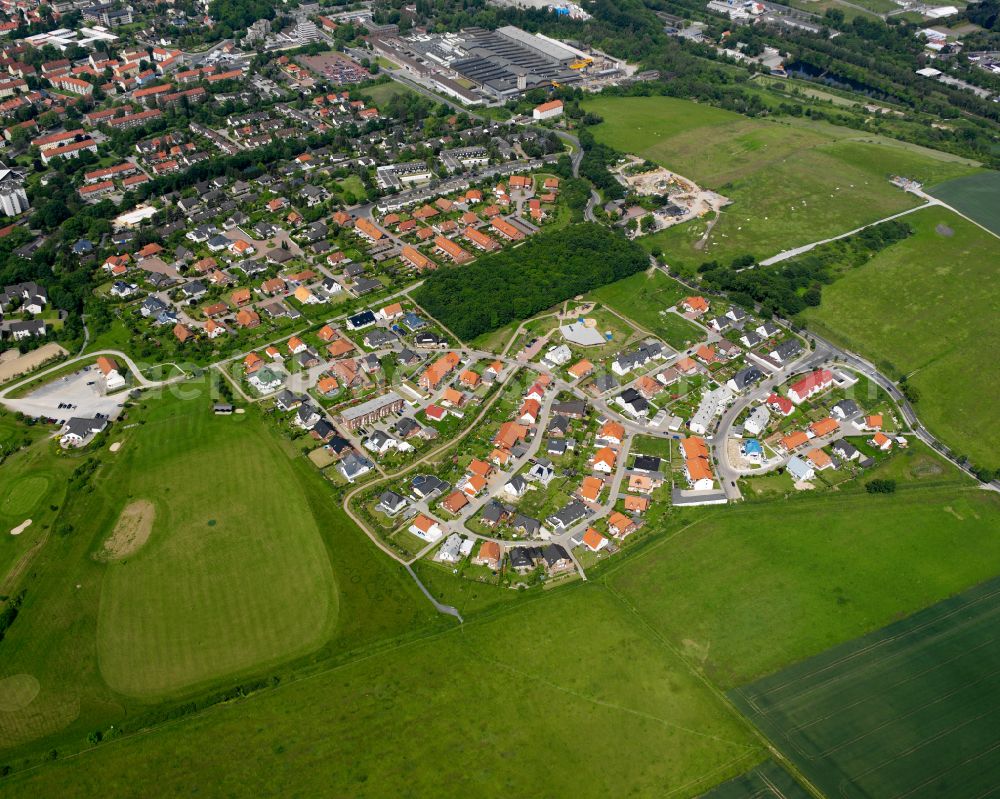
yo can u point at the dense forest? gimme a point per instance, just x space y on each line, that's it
517 283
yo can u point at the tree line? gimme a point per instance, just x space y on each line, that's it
789 287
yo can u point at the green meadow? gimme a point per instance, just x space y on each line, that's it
926 308
645 298
977 196
506 704
791 181
908 710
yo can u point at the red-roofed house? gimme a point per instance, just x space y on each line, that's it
810 385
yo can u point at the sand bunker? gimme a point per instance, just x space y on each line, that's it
131 531
21 527
115 447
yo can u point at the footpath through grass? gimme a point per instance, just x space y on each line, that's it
910 710
926 307
792 181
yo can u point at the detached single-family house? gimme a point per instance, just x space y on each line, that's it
604 460
426 528
391 503
799 469
593 540
353 465
489 555
880 441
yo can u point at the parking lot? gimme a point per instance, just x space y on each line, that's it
78 394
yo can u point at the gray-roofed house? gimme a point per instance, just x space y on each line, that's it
800 469
605 382
845 409
786 350
568 515
376 339
391 503
845 450
745 378
646 463
428 485
526 525
557 559
78 431
354 465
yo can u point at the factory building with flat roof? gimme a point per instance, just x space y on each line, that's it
508 61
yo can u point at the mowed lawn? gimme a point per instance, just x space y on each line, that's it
32 483
927 307
381 93
252 572
910 710
235 573
568 695
754 588
791 181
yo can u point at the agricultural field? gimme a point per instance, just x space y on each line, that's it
202 552
908 710
767 781
977 196
926 307
791 182
467 712
817 572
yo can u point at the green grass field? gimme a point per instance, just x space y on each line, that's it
515 704
32 486
907 711
251 568
642 297
234 575
25 493
788 580
381 93
977 196
926 307
379 695
791 182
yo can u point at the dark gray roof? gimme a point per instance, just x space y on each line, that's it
646 463
553 554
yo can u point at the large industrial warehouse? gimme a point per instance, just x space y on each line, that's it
509 61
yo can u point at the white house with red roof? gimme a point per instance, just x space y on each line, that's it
810 385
